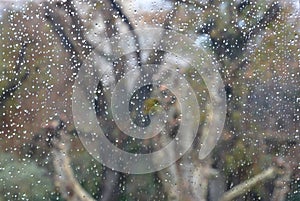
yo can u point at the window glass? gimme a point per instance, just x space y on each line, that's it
149 100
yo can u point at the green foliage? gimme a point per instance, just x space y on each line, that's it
143 187
23 180
88 171
294 194
238 158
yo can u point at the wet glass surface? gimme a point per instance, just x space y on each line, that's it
149 100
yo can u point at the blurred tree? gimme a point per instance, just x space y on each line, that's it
256 43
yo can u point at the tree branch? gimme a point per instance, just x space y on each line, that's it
64 38
126 20
77 26
192 3
242 5
270 15
69 186
16 83
282 184
65 179
247 185
156 56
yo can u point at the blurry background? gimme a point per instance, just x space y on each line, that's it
43 45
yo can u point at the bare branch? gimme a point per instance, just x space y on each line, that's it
195 4
65 180
111 30
282 184
17 82
206 28
269 16
112 182
156 56
69 186
64 38
126 20
78 27
78 30
100 101
247 185
192 3
243 4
